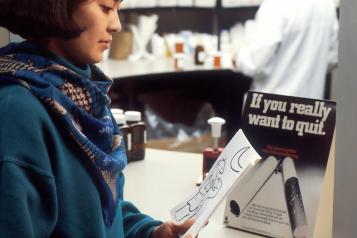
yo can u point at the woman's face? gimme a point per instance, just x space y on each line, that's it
100 19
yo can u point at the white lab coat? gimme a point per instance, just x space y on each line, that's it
295 43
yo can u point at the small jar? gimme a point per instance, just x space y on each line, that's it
179 47
179 62
125 132
179 54
137 129
217 60
199 55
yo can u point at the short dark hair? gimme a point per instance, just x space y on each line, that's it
39 19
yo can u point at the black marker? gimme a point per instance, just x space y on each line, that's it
294 200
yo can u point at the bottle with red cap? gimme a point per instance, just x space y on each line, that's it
210 154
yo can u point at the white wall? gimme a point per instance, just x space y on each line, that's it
344 91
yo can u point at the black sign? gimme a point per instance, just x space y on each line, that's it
285 126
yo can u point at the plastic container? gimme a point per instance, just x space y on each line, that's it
210 154
137 129
124 129
200 55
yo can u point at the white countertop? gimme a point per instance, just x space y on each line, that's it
126 68
165 178
158 183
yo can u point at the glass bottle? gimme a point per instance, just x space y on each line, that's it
137 129
124 129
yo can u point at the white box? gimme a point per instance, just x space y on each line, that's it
266 213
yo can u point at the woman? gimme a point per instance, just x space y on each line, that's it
61 155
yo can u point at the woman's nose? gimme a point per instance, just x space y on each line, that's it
115 25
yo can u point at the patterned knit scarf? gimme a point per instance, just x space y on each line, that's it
82 107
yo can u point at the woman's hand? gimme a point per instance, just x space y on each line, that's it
172 229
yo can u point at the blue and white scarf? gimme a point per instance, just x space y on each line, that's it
82 106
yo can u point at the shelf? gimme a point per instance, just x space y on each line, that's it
201 20
197 19
241 8
178 8
154 9
148 83
147 67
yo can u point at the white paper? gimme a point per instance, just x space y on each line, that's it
235 161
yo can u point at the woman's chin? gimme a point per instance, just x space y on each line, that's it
96 59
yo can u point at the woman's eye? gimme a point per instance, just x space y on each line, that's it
106 9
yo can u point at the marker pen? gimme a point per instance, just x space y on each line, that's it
294 199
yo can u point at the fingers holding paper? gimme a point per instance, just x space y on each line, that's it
172 229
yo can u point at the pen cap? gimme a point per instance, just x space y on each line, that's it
132 116
216 125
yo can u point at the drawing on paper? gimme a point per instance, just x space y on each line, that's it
211 186
237 158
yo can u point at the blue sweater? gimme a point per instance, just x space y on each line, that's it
47 188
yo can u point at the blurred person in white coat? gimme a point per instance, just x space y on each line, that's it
293 48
